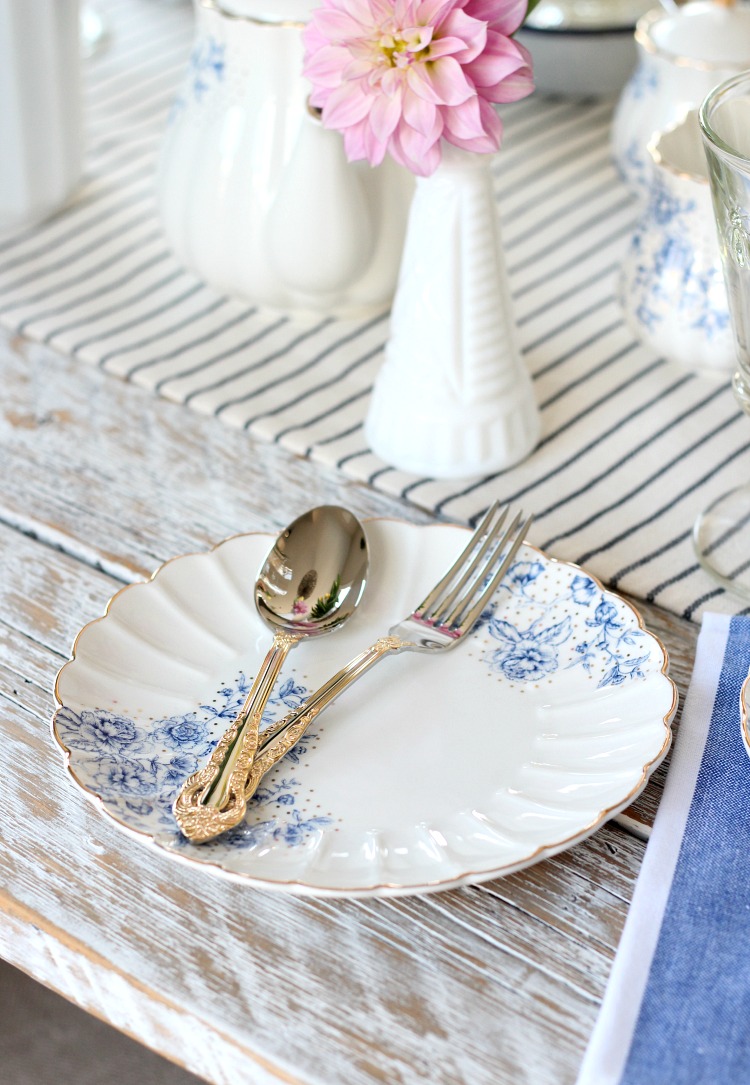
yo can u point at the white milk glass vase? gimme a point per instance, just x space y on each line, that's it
453 398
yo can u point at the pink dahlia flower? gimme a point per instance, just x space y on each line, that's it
398 76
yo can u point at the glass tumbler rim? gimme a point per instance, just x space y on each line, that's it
710 135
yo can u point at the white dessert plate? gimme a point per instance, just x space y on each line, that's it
427 774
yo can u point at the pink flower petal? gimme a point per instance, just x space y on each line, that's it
385 116
422 116
419 84
355 141
449 46
448 81
500 59
471 32
420 159
464 121
503 15
337 26
345 106
514 85
432 12
325 67
376 150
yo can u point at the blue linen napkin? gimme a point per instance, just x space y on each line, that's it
677 1006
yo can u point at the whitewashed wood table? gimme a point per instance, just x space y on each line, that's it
498 983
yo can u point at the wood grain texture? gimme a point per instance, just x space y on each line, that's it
496 984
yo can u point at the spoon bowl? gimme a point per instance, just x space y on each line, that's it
314 574
309 584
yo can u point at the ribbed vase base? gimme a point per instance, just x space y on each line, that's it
440 439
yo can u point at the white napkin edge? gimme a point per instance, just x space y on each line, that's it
607 1052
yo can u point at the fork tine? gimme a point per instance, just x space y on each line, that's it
480 572
444 605
467 620
430 600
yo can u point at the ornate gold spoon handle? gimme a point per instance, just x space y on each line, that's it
212 800
277 741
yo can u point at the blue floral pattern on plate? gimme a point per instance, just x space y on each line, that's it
608 648
138 770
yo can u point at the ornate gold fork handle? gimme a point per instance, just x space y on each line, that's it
278 741
212 800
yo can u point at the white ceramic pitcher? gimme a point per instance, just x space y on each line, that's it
254 194
683 54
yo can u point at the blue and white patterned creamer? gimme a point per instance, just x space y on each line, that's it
672 284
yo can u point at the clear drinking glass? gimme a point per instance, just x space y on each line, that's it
722 533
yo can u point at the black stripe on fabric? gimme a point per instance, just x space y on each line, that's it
342 341
353 456
329 413
90 273
126 199
546 195
607 397
132 41
70 261
567 355
660 551
572 235
642 485
290 346
209 336
560 121
635 450
230 352
730 533
94 190
335 379
536 153
333 437
151 83
380 471
92 295
112 310
534 141
683 575
505 191
584 378
575 261
98 88
689 611
670 504
532 231
141 318
596 277
651 556
163 333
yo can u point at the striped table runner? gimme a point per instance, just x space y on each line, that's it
632 447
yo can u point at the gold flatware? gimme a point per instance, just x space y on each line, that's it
309 584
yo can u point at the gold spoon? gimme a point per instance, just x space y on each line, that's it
309 584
